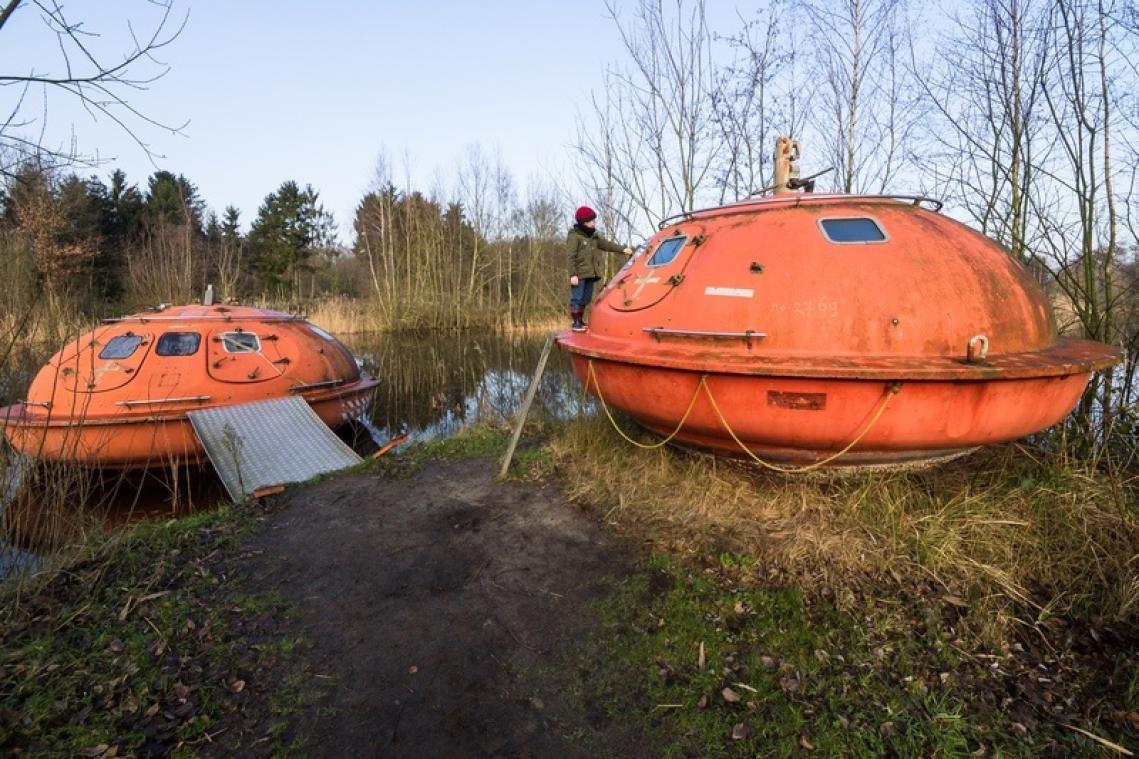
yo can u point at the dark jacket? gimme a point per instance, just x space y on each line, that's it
585 254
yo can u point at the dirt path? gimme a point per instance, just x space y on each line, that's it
432 605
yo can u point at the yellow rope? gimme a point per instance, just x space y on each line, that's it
597 385
891 390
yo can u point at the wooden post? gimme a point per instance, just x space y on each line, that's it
786 164
531 391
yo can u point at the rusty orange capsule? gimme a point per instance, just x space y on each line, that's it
118 395
805 328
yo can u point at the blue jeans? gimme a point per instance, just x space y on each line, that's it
581 293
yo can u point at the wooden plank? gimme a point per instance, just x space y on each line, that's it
520 419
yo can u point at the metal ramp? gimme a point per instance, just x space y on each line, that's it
259 445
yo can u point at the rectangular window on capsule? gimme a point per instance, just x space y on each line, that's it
178 344
852 230
667 251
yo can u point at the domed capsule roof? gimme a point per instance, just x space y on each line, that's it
221 353
827 285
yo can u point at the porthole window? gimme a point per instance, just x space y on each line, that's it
240 342
178 344
120 347
853 230
667 251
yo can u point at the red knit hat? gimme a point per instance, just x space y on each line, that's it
584 214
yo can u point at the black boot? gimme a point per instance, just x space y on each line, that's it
578 323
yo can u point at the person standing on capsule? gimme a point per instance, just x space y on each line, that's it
585 253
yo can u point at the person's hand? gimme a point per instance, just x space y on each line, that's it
628 251
573 281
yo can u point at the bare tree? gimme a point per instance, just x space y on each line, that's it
1032 103
986 88
101 83
1080 230
749 109
653 137
866 113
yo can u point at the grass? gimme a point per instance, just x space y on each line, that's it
983 605
477 441
980 605
146 644
1021 542
704 663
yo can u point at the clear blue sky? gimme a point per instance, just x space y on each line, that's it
311 91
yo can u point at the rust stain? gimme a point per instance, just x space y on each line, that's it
797 401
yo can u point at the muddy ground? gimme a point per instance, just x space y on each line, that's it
434 609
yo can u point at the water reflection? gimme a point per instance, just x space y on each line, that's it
431 387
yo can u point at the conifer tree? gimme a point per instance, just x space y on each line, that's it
291 228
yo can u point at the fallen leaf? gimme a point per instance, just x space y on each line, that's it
739 607
94 750
237 686
805 743
112 752
700 657
412 669
789 684
740 731
116 646
822 656
703 702
957 601
730 695
886 729
152 709
768 663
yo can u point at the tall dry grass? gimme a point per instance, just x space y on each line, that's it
345 316
1022 539
342 315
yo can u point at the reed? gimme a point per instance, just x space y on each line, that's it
343 315
1020 538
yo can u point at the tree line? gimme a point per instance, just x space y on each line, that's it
95 247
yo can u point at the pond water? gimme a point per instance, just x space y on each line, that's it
431 387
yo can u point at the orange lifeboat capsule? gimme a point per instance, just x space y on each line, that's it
836 329
118 395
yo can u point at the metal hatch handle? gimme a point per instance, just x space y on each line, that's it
747 335
156 401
